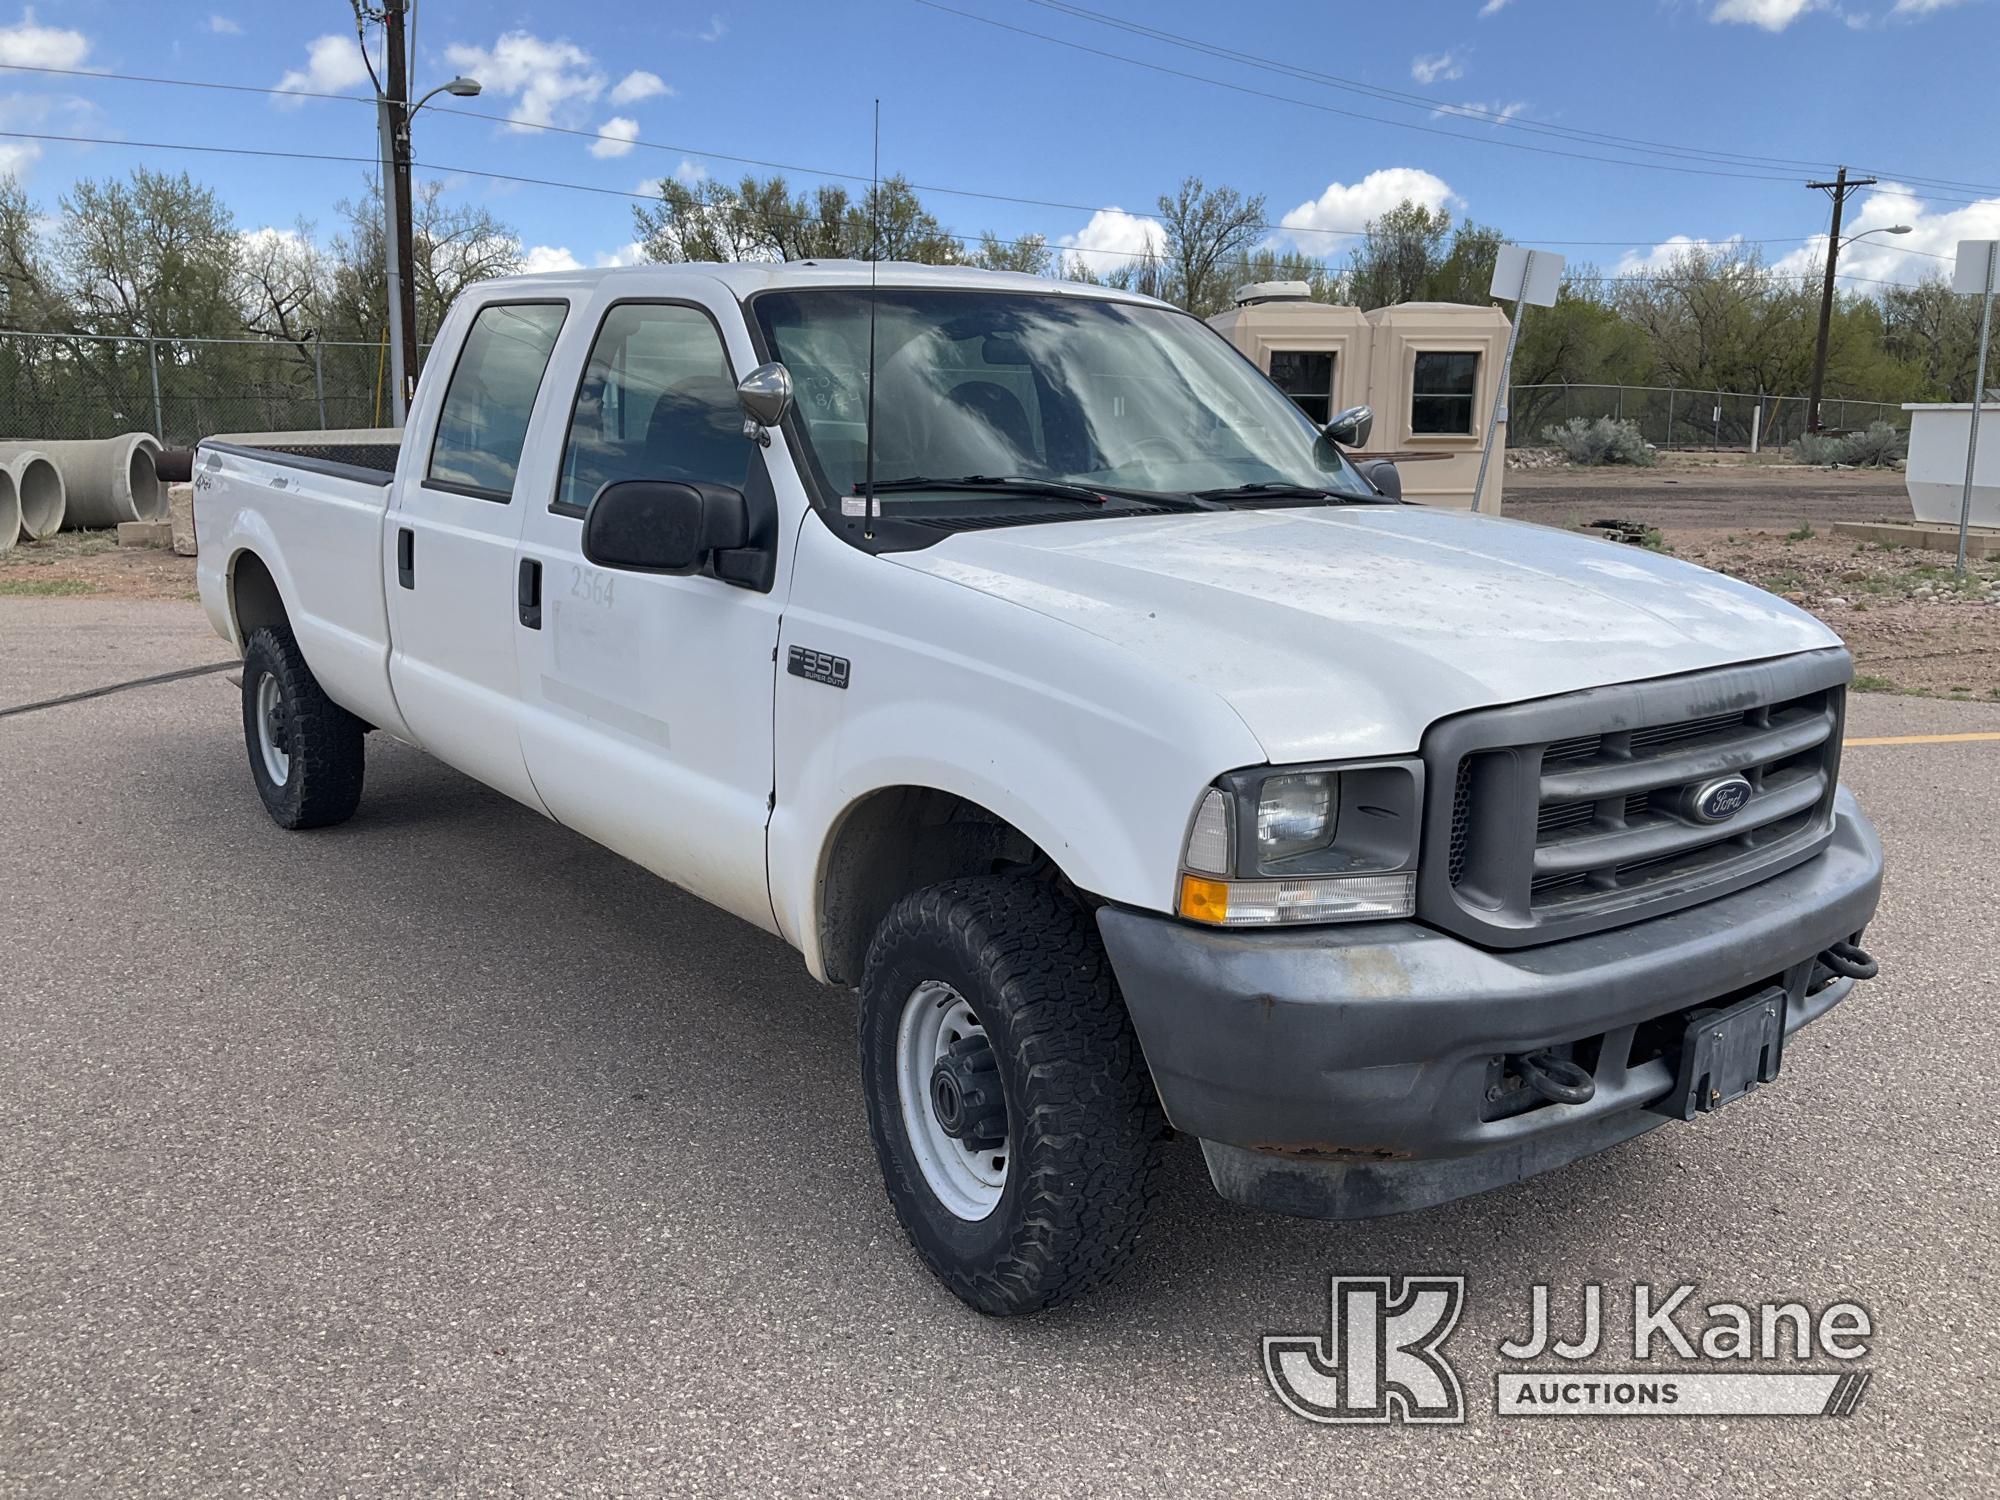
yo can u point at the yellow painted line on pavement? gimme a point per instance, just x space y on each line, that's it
1923 739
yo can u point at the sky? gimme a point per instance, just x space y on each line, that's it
1501 110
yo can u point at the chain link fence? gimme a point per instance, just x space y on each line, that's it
91 386
1672 417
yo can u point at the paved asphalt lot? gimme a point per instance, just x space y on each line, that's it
446 1153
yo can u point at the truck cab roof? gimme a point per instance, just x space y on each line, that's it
745 278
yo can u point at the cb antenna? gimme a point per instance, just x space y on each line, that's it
874 259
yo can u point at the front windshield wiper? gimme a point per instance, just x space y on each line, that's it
1275 491
1018 484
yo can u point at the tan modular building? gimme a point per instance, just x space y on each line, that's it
1427 368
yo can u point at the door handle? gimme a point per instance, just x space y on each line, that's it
528 593
406 557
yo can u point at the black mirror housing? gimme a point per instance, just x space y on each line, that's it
658 526
1382 474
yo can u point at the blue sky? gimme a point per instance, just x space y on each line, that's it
1890 85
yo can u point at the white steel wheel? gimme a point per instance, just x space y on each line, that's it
954 1115
273 740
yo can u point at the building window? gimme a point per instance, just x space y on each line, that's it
1441 393
484 420
1308 379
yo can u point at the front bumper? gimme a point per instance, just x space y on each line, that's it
1344 1071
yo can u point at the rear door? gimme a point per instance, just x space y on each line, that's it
646 699
449 554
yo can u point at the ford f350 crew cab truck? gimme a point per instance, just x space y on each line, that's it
1145 766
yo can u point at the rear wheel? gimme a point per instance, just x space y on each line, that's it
306 751
1013 1116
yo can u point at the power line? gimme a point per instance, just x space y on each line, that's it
1497 118
1239 88
827 172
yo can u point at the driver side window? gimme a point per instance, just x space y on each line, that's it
658 401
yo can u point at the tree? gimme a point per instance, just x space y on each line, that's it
761 219
1397 255
1030 253
891 223
155 256
29 294
1933 333
1205 229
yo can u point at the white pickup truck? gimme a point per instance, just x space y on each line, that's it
1024 658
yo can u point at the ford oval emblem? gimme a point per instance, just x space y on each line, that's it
1719 800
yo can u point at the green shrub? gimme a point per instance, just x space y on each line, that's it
1602 440
1878 446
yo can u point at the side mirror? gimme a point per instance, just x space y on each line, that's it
656 526
1350 428
765 395
1381 473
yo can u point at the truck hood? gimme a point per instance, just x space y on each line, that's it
1347 630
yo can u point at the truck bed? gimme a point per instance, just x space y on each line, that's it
311 507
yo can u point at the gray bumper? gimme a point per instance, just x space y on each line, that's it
1344 1071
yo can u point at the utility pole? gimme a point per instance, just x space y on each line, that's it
403 281
1838 189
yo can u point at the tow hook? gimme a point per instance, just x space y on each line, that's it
1556 1079
1850 961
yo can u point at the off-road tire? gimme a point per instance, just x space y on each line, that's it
326 742
1085 1125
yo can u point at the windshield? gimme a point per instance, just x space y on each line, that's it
1081 390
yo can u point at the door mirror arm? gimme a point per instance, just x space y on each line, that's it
765 395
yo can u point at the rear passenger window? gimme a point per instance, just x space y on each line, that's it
491 396
657 402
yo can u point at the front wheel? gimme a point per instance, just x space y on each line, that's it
306 751
1013 1116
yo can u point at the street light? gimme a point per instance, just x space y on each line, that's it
468 88
1833 249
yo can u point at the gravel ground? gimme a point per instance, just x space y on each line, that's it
444 1153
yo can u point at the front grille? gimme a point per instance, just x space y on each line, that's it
1554 828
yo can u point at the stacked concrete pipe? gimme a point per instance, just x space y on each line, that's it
38 486
106 480
10 513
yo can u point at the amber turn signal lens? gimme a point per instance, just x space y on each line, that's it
1204 900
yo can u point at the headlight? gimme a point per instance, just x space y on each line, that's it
1304 844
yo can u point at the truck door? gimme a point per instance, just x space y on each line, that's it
646 699
449 552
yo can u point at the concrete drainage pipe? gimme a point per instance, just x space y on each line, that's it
10 513
107 480
38 484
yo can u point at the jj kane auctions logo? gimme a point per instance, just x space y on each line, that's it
1382 1358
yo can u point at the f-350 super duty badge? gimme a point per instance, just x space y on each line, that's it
817 666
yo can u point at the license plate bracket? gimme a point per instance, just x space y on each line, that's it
1727 1051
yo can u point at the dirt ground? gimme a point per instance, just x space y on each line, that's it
1912 626
92 562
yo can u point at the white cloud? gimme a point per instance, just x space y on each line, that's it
1772 15
549 82
1315 226
16 157
637 85
1112 236
633 254
690 171
549 258
333 63
713 31
1496 113
27 45
615 136
1441 68
1921 7
219 25
1663 256
1491 8
1888 257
